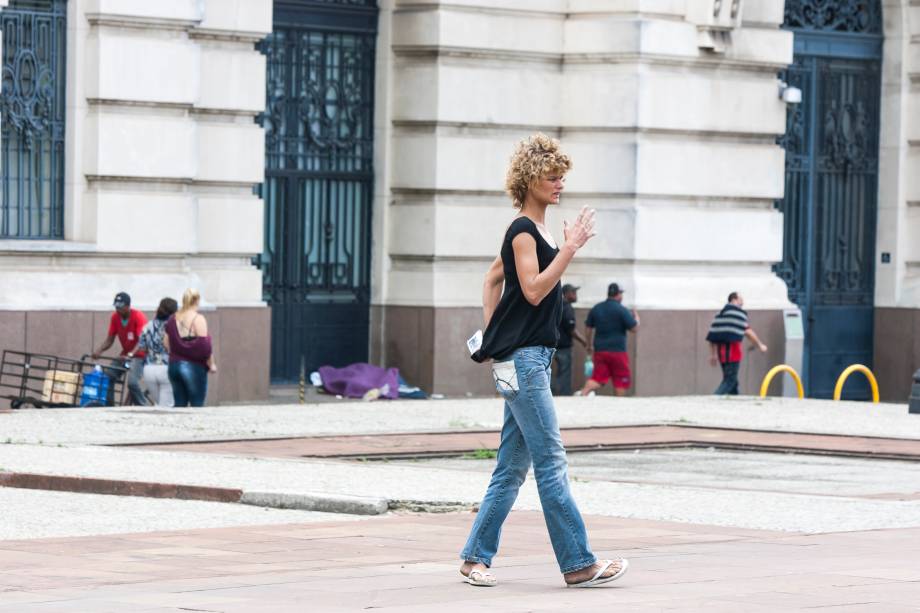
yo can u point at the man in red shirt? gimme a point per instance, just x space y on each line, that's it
725 337
126 324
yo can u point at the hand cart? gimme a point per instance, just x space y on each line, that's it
46 381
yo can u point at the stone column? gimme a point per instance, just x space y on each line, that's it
468 81
173 153
897 280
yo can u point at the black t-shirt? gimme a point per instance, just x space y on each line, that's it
566 326
516 323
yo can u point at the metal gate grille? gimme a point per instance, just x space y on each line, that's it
830 204
318 182
32 106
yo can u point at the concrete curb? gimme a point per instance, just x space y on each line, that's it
326 503
304 501
112 487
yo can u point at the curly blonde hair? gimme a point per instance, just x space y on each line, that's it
534 158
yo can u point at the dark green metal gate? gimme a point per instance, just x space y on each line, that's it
830 204
318 182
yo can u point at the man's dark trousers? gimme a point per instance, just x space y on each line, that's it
562 376
729 383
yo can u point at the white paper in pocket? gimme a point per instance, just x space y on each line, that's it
505 376
474 342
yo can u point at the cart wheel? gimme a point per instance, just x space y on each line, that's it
93 405
15 404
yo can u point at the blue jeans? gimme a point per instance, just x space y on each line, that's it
729 383
189 383
531 433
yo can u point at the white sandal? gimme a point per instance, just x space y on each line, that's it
598 580
480 578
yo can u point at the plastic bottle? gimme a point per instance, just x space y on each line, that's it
95 388
589 366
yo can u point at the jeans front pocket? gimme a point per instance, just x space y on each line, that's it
531 364
505 376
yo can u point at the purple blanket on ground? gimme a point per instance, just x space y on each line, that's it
355 380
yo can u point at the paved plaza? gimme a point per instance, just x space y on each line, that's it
721 505
404 563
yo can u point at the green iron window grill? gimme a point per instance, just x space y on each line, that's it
32 106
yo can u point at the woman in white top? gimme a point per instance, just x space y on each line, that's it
156 360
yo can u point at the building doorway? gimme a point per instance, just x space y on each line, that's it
831 197
318 183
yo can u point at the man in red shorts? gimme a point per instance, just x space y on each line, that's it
607 325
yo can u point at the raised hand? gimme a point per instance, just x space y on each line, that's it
582 230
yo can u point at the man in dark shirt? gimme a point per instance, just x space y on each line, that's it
607 323
562 374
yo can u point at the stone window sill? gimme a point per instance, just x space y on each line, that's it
44 246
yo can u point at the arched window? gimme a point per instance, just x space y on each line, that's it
32 109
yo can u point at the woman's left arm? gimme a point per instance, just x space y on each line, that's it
201 329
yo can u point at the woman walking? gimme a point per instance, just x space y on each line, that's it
190 354
520 336
156 356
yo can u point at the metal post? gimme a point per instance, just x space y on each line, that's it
913 403
303 380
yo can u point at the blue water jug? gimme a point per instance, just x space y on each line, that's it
95 388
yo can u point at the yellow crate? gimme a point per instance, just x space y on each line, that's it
60 387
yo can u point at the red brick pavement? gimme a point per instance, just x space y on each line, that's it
576 439
408 563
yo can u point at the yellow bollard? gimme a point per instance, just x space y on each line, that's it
302 389
778 369
849 370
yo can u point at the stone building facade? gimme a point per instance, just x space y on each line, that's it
160 155
356 149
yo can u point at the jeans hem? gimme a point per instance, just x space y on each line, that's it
579 566
476 560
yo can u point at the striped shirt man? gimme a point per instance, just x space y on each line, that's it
728 330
